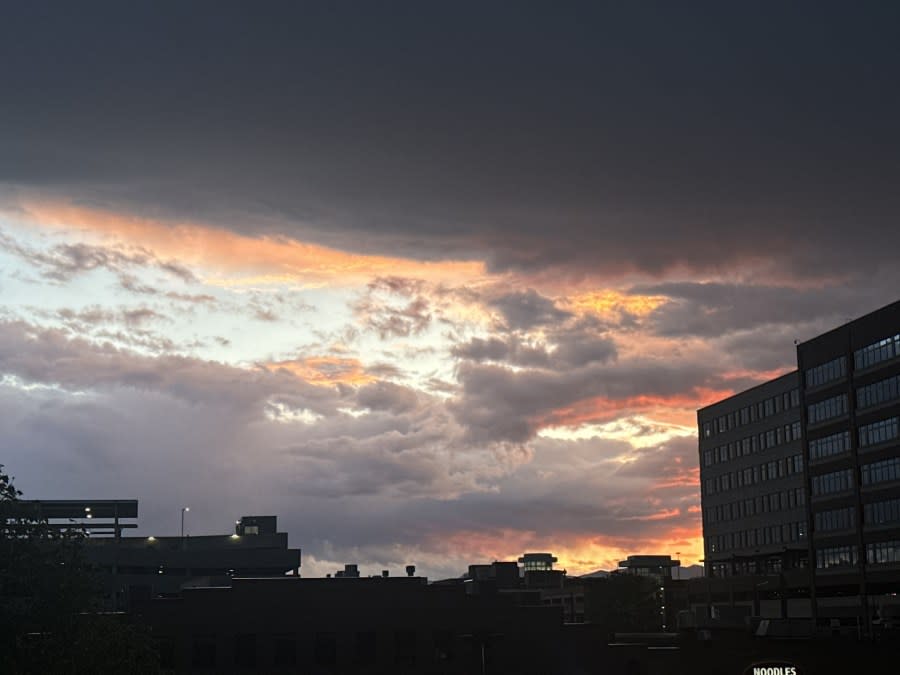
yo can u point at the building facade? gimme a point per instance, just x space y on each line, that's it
751 475
851 408
803 473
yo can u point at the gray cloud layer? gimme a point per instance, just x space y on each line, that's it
597 139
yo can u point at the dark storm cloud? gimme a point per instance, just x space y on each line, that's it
509 350
593 137
527 309
498 403
712 310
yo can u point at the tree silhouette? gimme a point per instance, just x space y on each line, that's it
49 599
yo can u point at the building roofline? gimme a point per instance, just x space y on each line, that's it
895 304
795 371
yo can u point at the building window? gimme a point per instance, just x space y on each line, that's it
878 392
834 444
882 513
837 556
836 519
883 552
285 650
366 648
881 472
827 372
883 350
405 647
830 483
245 650
828 409
325 649
878 432
203 651
443 646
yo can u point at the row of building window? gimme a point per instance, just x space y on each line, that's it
881 472
827 409
827 372
771 565
835 444
878 392
883 350
881 431
877 553
831 483
836 556
883 552
836 519
841 481
778 468
771 438
875 513
745 508
782 533
875 433
751 413
882 513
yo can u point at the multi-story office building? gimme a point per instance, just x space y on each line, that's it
804 472
851 408
751 474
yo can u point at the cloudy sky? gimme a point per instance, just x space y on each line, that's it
435 284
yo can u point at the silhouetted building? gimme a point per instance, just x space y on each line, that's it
349 572
658 566
800 480
144 567
361 625
851 411
537 561
751 476
96 516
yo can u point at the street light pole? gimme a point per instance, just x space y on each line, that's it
183 510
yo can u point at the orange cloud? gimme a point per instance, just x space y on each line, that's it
608 303
681 478
577 553
761 375
228 258
680 409
326 370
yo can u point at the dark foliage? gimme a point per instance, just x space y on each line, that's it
49 618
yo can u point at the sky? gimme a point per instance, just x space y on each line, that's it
436 284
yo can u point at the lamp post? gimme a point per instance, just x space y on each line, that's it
678 566
184 509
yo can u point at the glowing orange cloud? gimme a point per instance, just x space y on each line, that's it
607 303
230 259
680 409
680 478
578 553
326 370
760 375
